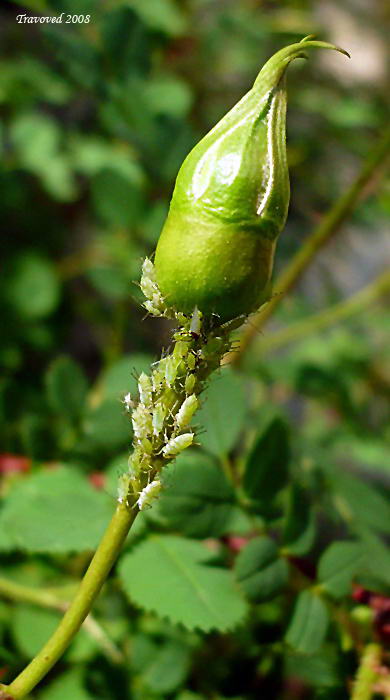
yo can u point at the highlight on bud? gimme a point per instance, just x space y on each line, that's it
230 203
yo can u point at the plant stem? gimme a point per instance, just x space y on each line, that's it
329 225
53 600
367 673
97 572
334 314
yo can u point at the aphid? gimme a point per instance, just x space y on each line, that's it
176 445
148 287
196 323
151 308
189 383
128 402
157 379
123 487
181 349
148 269
147 446
149 494
145 389
191 361
158 418
186 411
133 465
142 422
171 367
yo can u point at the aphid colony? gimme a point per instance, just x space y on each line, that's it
168 398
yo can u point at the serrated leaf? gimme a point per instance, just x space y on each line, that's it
55 511
222 414
338 566
307 629
267 466
170 576
66 387
197 499
260 571
299 530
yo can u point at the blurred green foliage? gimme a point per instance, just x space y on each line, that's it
238 583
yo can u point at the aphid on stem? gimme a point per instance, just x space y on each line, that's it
149 494
177 444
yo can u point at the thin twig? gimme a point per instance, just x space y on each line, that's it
52 599
334 314
329 225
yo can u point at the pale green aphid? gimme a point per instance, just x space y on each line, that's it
128 402
158 417
171 367
186 411
177 444
157 378
145 389
142 422
191 361
189 384
149 494
123 487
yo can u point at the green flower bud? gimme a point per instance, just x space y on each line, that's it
230 203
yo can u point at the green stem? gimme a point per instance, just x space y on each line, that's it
334 314
367 673
97 572
329 225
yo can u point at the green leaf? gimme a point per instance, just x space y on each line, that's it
32 286
66 387
299 530
115 198
37 139
267 466
163 668
377 569
107 426
361 502
338 566
32 626
55 511
309 624
166 94
68 685
121 376
197 499
259 570
161 15
320 670
170 576
222 414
